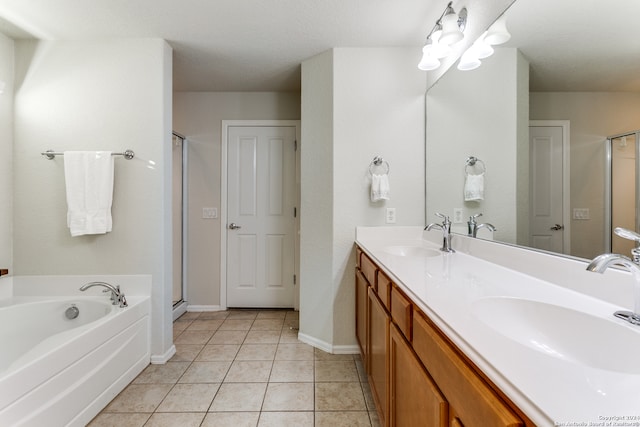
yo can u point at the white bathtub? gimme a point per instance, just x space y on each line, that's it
58 372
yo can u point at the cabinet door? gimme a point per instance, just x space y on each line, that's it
415 399
361 315
378 355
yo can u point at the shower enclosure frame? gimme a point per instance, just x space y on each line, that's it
608 191
180 307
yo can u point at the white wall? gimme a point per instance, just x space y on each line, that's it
356 103
593 117
6 153
198 116
106 95
477 113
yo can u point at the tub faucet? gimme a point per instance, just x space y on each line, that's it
446 232
117 297
473 226
604 261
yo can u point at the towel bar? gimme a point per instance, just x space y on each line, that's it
128 154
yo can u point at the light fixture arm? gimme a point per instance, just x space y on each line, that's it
462 19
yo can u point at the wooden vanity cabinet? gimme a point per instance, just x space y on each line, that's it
378 372
417 376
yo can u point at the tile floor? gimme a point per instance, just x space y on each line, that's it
244 368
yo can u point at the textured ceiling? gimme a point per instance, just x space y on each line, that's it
233 45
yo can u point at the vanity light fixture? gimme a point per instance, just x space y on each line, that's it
448 30
483 47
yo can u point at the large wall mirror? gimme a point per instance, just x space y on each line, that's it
545 114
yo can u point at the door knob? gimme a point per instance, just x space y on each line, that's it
234 226
557 227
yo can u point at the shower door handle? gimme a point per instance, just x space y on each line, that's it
234 226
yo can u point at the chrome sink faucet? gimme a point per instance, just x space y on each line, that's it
446 232
473 226
117 297
604 261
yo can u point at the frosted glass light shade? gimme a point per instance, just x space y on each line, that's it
469 61
482 49
428 61
450 31
498 33
440 50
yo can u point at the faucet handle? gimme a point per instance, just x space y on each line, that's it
443 216
630 235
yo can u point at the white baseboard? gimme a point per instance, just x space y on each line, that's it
204 308
329 348
161 359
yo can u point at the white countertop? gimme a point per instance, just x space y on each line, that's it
593 381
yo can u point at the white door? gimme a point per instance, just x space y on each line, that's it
546 188
261 183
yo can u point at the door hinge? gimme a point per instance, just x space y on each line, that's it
295 212
294 279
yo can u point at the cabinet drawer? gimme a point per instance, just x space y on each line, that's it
474 402
368 268
401 309
384 289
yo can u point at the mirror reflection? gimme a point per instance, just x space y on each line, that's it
546 114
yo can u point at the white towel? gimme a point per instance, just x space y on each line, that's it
474 188
379 187
89 182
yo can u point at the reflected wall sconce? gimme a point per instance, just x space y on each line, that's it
483 47
448 30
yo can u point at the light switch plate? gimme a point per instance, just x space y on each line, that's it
209 213
581 213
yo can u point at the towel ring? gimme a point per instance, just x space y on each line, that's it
379 161
473 161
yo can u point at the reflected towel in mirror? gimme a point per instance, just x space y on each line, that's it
474 188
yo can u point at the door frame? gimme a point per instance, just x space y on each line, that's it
566 176
226 124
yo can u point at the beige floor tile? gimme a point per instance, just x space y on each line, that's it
375 419
228 337
213 315
189 315
139 398
180 325
368 396
206 372
272 314
289 336
186 352
294 352
257 352
218 352
169 373
362 374
231 419
323 355
339 397
232 324
262 337
239 397
205 325
193 337
242 314
334 371
343 419
189 398
174 419
290 419
267 325
107 419
249 371
294 371
288 397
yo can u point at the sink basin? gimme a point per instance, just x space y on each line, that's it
411 251
564 333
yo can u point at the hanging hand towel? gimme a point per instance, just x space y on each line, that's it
89 182
474 188
379 187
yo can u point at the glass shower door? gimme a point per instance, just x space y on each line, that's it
178 299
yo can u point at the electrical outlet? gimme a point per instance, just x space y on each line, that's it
457 216
390 216
209 213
